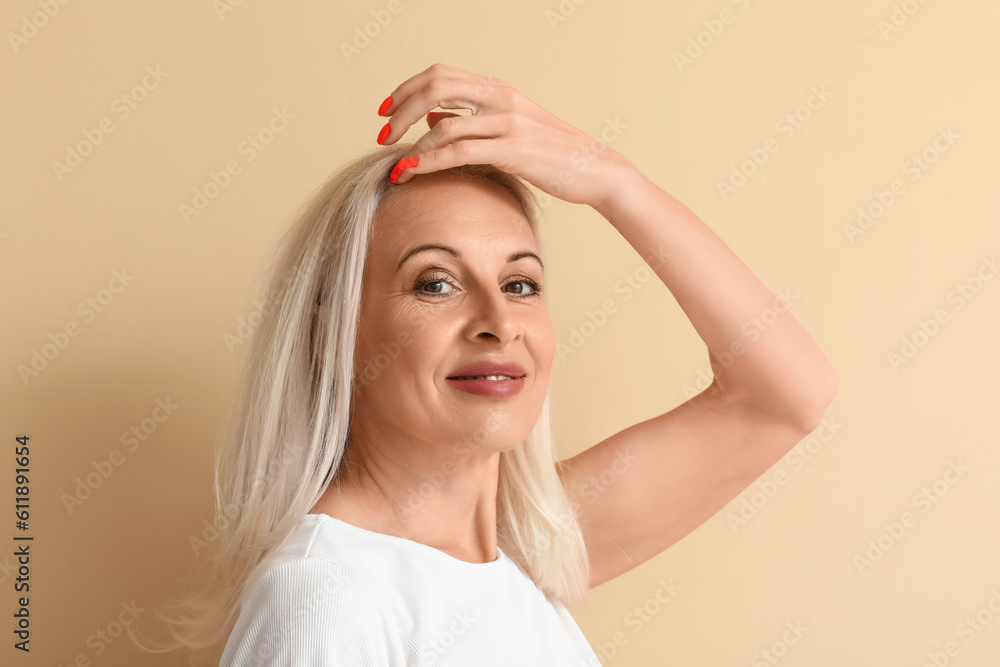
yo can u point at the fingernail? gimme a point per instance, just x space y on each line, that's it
405 163
383 133
385 105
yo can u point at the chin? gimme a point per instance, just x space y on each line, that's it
496 431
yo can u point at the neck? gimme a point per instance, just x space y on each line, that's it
440 496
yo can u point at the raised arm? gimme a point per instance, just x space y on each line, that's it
771 386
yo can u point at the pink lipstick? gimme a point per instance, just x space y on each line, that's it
489 377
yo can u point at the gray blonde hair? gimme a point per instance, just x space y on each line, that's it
287 432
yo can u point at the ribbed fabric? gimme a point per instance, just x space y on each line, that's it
336 594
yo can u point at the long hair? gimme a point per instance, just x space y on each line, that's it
288 430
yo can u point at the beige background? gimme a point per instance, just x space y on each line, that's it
891 432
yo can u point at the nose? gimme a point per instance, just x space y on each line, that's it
493 317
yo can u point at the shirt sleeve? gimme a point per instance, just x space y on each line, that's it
307 612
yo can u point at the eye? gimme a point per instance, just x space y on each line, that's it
437 281
525 287
434 285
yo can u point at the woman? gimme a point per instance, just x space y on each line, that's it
389 493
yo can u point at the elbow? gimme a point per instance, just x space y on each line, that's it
821 392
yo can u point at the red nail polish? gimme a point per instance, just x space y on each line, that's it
385 105
383 133
406 163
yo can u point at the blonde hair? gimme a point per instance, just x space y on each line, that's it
287 437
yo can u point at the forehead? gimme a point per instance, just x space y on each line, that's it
470 215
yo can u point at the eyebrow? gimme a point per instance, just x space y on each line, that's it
432 246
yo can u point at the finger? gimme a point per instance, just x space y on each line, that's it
434 116
434 88
472 151
408 109
455 128
438 70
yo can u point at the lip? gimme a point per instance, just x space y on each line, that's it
490 367
490 388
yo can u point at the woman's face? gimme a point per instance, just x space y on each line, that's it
450 281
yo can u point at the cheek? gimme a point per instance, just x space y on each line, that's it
375 354
542 349
393 345
545 342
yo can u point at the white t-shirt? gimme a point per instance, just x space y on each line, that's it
336 594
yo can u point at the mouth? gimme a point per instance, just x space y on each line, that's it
491 378
491 386
498 369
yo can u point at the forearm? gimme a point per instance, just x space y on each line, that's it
760 354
